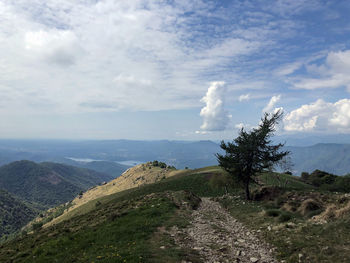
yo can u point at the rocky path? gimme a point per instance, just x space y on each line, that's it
218 237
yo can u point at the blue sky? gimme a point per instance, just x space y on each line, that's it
187 70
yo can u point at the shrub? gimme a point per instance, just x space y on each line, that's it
162 165
285 216
273 212
37 226
305 176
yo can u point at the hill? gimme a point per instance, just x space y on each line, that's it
14 213
180 218
134 177
47 184
329 157
106 167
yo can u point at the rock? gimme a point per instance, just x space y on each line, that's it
254 260
162 247
290 225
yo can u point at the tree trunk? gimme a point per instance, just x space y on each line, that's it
247 192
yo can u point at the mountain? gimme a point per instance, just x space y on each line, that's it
330 157
14 213
193 154
47 184
109 156
111 168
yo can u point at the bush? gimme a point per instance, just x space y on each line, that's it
273 212
162 165
37 226
318 178
285 216
305 176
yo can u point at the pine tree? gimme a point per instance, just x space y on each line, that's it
252 152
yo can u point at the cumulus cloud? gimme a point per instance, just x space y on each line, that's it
215 117
334 73
244 97
270 107
320 116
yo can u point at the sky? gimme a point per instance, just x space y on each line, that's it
179 70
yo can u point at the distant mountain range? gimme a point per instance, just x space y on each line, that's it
329 157
110 156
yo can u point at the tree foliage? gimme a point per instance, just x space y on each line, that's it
252 152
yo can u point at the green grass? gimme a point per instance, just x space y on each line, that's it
284 180
195 181
122 228
119 231
293 234
131 226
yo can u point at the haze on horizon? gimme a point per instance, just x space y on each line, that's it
184 70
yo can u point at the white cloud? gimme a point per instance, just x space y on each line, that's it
83 56
57 46
288 69
244 97
320 116
202 132
271 105
215 117
334 73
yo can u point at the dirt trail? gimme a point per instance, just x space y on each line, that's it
218 237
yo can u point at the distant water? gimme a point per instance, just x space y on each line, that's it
88 160
130 162
84 160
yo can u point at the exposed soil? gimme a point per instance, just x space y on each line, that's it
218 237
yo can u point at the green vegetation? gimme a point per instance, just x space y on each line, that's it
251 152
327 181
162 165
29 187
129 226
14 214
283 223
46 184
118 231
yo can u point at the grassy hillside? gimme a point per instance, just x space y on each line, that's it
132 225
133 177
47 184
14 213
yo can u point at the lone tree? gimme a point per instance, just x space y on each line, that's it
252 152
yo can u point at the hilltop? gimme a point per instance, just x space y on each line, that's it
133 177
189 215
